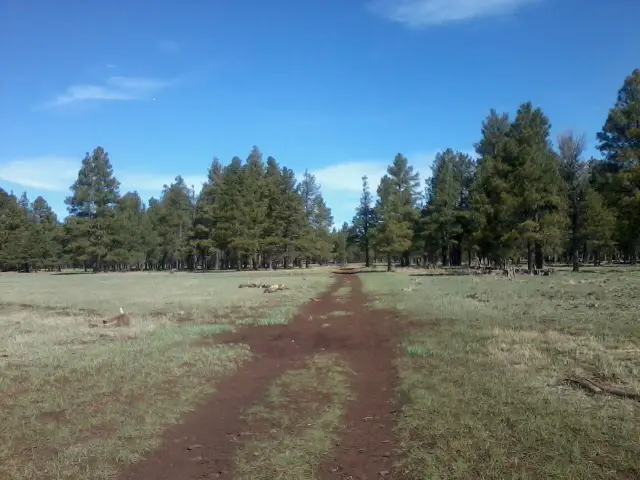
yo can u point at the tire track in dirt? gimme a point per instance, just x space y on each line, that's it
366 448
204 445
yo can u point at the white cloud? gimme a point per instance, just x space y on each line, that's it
114 88
56 174
347 177
48 172
342 183
425 13
150 182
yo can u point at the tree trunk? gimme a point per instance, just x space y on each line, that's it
388 262
574 240
445 256
367 260
530 256
456 255
539 255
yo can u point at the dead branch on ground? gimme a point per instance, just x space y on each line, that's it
596 388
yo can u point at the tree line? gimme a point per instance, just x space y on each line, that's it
248 214
523 198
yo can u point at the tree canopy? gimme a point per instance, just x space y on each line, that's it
521 198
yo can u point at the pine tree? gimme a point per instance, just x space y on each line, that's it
275 216
47 241
91 208
341 243
15 233
128 246
573 170
293 216
254 205
309 192
364 222
393 233
321 224
447 204
490 194
229 226
176 211
201 238
152 224
25 237
536 185
597 224
619 141
395 210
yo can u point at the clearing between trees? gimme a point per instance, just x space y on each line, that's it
320 387
406 375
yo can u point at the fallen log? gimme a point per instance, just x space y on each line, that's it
121 320
274 288
598 389
253 285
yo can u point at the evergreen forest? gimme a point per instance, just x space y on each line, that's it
525 198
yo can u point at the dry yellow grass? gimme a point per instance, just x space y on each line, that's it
483 377
298 422
78 399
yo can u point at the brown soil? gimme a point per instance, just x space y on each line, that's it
204 445
121 320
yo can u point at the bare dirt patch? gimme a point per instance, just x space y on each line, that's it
205 444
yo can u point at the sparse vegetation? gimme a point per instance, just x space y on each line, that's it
495 401
505 375
79 398
297 423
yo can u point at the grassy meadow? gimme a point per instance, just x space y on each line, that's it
78 398
303 409
482 375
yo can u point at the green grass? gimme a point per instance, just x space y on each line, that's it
79 399
76 415
481 377
297 423
201 296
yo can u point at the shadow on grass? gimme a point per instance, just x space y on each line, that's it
72 273
356 271
444 274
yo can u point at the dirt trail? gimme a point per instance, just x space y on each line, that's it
203 446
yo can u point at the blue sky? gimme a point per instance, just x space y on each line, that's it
335 86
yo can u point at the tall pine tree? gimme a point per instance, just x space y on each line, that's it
91 208
364 222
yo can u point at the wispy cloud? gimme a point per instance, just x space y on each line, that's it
346 177
114 88
47 172
342 182
168 46
52 173
150 182
427 13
